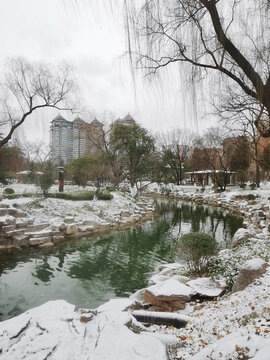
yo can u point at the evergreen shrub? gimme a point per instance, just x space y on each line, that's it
196 248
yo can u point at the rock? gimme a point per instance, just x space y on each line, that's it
8 228
62 227
22 241
125 214
236 346
16 213
138 297
7 220
39 241
85 228
69 220
169 295
22 224
206 287
58 238
37 227
240 237
172 304
46 244
261 214
42 233
18 232
71 229
250 271
121 304
56 331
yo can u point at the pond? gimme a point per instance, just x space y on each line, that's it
90 271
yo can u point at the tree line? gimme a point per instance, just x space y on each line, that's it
130 153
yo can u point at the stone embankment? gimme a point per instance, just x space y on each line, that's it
23 229
250 205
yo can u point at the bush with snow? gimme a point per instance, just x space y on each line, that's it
196 248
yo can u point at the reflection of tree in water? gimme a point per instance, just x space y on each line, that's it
121 261
43 270
123 264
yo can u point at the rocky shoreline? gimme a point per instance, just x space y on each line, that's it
23 226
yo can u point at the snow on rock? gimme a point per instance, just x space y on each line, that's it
206 287
250 271
115 305
171 288
57 331
168 295
254 264
236 346
240 236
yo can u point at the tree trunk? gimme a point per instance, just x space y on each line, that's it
258 178
257 174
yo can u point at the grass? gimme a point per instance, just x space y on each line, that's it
17 196
85 195
104 195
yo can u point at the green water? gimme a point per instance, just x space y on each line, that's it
90 271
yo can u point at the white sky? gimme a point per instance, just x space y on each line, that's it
92 39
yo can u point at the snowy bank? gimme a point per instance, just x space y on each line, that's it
44 222
56 330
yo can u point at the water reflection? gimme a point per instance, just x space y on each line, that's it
90 271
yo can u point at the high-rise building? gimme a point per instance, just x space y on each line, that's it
72 139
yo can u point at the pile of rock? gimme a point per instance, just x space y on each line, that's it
171 293
19 229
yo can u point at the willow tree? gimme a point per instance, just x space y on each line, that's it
227 40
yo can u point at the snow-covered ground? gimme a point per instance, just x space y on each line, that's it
35 221
232 327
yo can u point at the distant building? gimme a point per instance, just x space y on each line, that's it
72 139
127 121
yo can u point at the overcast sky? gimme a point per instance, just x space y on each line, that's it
92 39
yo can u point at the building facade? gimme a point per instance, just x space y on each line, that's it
71 140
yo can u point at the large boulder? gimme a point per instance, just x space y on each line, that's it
207 287
71 229
240 237
169 295
250 271
57 331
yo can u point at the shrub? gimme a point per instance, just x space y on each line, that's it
3 179
196 248
17 196
8 191
104 195
111 188
46 180
250 197
243 185
86 195
253 186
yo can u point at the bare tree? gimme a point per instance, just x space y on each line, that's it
217 153
174 148
28 87
38 152
108 152
228 38
240 115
